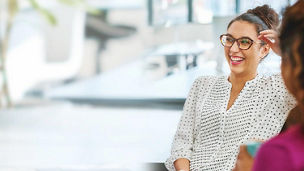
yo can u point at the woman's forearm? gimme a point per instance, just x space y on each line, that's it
182 164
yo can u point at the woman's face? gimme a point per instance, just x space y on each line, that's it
244 62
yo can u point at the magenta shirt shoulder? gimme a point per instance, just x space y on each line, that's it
284 152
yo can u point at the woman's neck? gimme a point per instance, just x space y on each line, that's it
240 80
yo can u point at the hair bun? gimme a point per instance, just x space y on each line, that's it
267 15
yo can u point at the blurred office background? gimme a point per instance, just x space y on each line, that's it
104 92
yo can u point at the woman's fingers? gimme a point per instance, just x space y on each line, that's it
269 32
244 160
272 39
267 39
269 36
243 152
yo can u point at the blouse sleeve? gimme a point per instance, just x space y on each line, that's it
185 134
272 157
278 84
274 114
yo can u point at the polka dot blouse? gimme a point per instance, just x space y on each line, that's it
209 135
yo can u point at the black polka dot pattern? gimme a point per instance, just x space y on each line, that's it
209 135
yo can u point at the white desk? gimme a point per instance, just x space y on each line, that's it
66 137
129 83
184 50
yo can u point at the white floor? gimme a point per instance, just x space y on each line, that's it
66 136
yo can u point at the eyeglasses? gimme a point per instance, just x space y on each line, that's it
243 43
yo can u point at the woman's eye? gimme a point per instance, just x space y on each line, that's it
245 41
229 39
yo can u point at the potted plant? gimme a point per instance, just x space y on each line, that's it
8 11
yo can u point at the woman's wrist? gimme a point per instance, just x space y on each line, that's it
182 164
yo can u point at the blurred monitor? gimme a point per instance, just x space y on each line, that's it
168 12
175 12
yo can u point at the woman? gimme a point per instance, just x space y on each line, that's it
285 152
221 113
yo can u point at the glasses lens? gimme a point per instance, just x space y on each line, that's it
244 43
227 40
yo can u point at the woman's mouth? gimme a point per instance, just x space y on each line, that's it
236 60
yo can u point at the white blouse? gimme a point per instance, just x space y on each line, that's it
209 135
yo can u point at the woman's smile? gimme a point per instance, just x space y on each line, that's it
236 60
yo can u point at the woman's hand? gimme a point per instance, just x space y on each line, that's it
182 164
271 37
244 160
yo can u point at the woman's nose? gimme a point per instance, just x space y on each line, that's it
234 47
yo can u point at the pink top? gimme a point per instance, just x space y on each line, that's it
284 152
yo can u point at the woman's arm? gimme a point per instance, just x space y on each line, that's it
185 135
244 160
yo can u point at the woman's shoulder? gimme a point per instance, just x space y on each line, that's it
273 81
205 83
276 77
208 78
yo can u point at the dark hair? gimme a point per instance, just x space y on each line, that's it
292 42
292 37
263 17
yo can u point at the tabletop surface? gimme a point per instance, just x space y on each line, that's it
130 83
67 137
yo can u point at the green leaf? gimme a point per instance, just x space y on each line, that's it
80 4
44 12
34 4
72 2
48 16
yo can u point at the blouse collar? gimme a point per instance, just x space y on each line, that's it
248 83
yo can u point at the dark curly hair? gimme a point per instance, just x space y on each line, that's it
292 38
292 45
263 17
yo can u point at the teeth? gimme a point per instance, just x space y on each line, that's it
236 58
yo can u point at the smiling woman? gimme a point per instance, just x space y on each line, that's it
221 113
246 28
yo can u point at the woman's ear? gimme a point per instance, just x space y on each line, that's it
264 51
